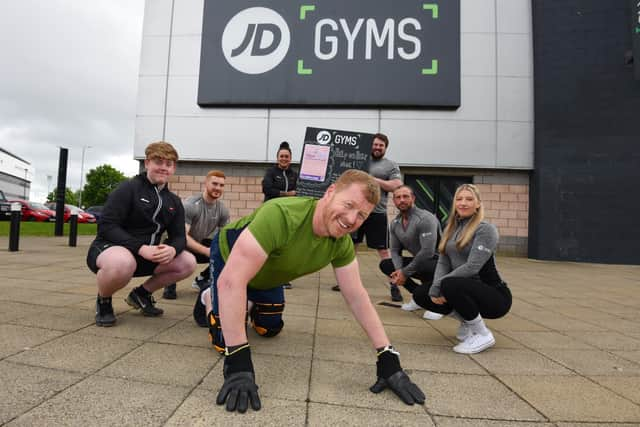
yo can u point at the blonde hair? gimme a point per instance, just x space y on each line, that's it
470 228
370 187
161 150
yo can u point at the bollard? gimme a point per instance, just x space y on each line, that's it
73 230
14 231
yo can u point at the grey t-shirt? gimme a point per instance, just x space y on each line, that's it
387 170
204 218
419 238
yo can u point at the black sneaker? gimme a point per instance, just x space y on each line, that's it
287 286
170 292
146 303
395 294
335 288
199 311
104 312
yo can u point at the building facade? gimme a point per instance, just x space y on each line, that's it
487 139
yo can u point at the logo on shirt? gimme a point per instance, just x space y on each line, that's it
142 199
482 248
427 234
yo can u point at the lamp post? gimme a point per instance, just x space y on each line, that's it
84 148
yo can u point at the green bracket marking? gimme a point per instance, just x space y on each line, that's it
637 30
432 7
431 71
303 71
304 9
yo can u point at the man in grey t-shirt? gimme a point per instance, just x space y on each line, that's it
375 228
204 214
417 231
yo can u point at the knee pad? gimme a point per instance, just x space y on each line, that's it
266 318
215 332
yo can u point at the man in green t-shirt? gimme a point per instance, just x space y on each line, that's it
282 240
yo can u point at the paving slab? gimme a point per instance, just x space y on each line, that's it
570 360
557 399
164 364
336 415
128 403
339 383
18 338
200 410
25 387
474 396
76 353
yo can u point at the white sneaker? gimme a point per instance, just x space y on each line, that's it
475 343
430 315
464 331
410 306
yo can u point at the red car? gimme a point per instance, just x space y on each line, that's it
34 211
70 209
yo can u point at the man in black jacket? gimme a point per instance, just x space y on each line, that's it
128 245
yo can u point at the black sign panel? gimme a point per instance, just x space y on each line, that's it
635 34
326 154
330 53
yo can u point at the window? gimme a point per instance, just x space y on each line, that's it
435 193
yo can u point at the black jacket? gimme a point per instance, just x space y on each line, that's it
277 180
137 213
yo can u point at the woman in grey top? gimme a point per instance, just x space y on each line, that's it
466 283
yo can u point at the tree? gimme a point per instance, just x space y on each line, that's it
101 181
70 197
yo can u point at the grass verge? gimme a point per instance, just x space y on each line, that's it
45 229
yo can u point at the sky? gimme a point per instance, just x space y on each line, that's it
68 78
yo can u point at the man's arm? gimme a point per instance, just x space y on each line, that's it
388 185
427 235
348 277
193 245
395 246
245 260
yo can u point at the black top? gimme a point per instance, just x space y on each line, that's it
277 180
137 213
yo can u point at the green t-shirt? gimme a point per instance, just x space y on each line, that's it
284 229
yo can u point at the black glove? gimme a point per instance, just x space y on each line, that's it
239 388
391 375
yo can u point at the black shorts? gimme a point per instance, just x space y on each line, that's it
144 266
376 231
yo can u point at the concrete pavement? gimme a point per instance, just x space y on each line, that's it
568 353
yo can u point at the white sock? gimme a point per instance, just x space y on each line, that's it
204 297
477 326
456 316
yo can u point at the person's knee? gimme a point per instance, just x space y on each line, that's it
117 263
386 266
185 263
450 288
266 318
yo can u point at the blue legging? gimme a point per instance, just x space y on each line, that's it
268 304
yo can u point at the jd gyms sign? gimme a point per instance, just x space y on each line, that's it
330 53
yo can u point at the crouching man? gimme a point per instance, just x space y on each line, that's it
134 218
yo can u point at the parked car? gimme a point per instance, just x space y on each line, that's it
71 209
5 207
34 211
95 211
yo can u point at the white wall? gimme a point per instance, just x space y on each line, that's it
493 128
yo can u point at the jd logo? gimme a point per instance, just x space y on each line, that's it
323 137
255 40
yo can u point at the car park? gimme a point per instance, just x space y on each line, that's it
95 211
34 211
83 217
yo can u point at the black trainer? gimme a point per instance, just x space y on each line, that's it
287 286
170 292
200 311
146 303
104 312
335 288
395 294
